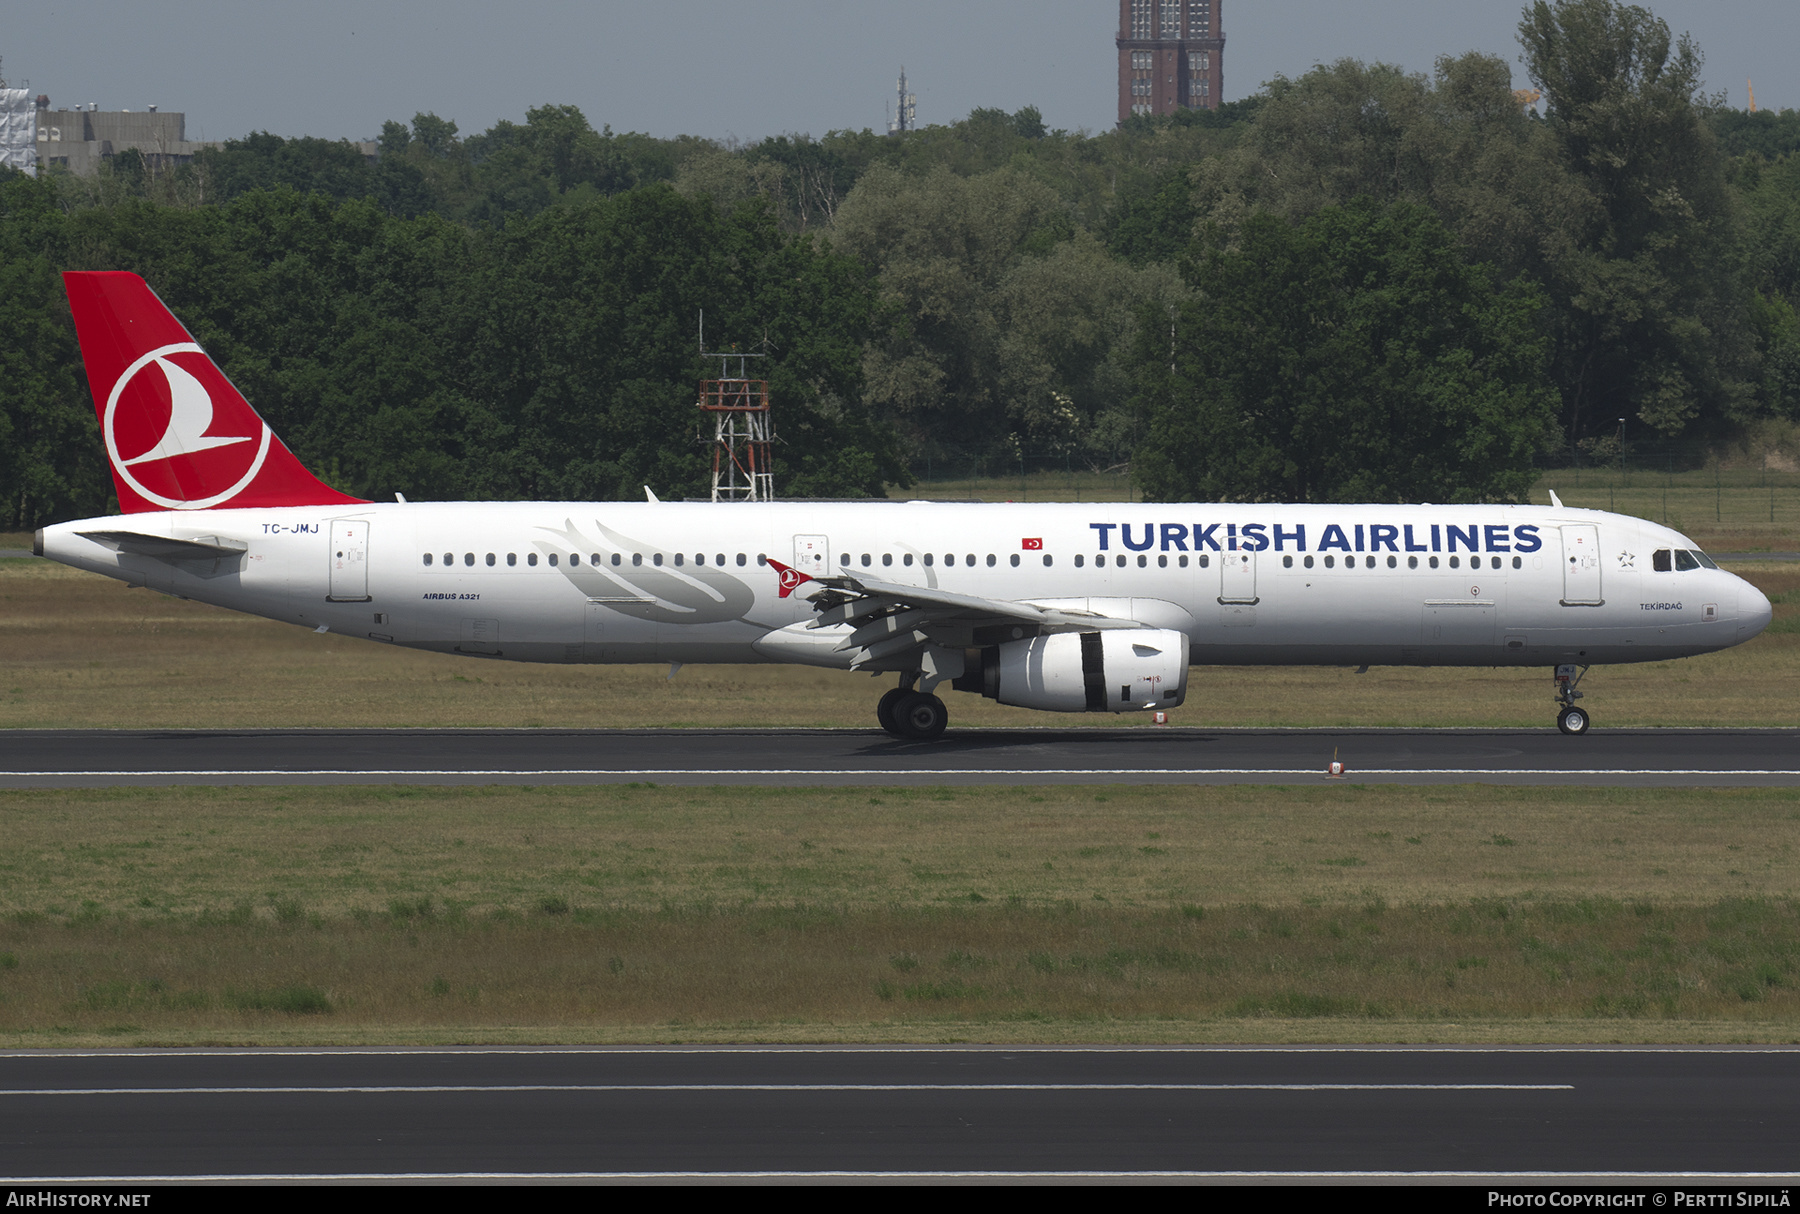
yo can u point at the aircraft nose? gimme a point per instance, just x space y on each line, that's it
1754 611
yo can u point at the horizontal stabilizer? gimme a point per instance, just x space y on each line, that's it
161 547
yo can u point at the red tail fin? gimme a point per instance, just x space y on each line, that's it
177 434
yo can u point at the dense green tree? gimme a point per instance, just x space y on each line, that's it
1349 356
1767 133
50 461
1648 317
1004 323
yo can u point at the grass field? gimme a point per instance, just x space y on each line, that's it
640 913
83 651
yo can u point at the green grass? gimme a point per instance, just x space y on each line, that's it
642 913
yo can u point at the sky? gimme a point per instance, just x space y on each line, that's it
740 69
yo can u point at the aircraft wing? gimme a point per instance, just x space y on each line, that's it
891 622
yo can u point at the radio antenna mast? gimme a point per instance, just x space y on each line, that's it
742 468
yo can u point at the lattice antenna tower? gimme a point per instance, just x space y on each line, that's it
906 109
742 468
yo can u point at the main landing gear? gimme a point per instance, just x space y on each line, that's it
914 716
1571 720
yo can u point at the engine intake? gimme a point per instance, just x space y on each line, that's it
1116 670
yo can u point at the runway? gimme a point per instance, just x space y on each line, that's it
881 1112
824 757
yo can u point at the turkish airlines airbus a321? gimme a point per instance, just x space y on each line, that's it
1067 608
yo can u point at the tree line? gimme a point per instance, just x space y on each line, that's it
1358 283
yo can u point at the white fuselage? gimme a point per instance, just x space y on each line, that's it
685 582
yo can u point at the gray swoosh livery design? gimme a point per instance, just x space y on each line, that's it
691 595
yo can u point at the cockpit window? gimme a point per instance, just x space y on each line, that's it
1705 560
1684 560
1659 561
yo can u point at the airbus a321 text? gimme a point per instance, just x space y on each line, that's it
1066 608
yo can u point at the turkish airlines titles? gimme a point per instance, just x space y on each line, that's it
1357 537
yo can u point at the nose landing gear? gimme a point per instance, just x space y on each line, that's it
1571 720
914 716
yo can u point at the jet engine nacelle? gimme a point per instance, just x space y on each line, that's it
1116 670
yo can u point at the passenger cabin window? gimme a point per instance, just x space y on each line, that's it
990 560
1078 559
1659 561
468 558
928 557
637 558
1050 560
887 558
1015 560
907 559
490 558
1287 562
512 558
1203 560
531 558
428 558
449 558
657 559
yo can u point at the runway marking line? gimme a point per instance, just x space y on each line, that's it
431 1089
890 772
842 1174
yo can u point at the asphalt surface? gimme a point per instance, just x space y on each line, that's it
1651 757
1225 1112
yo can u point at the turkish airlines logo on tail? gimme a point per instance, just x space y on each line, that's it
788 579
169 440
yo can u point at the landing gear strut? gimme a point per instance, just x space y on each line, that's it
914 716
1571 720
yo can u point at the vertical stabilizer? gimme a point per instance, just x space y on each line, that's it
178 435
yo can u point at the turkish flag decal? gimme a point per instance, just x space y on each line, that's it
1032 545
